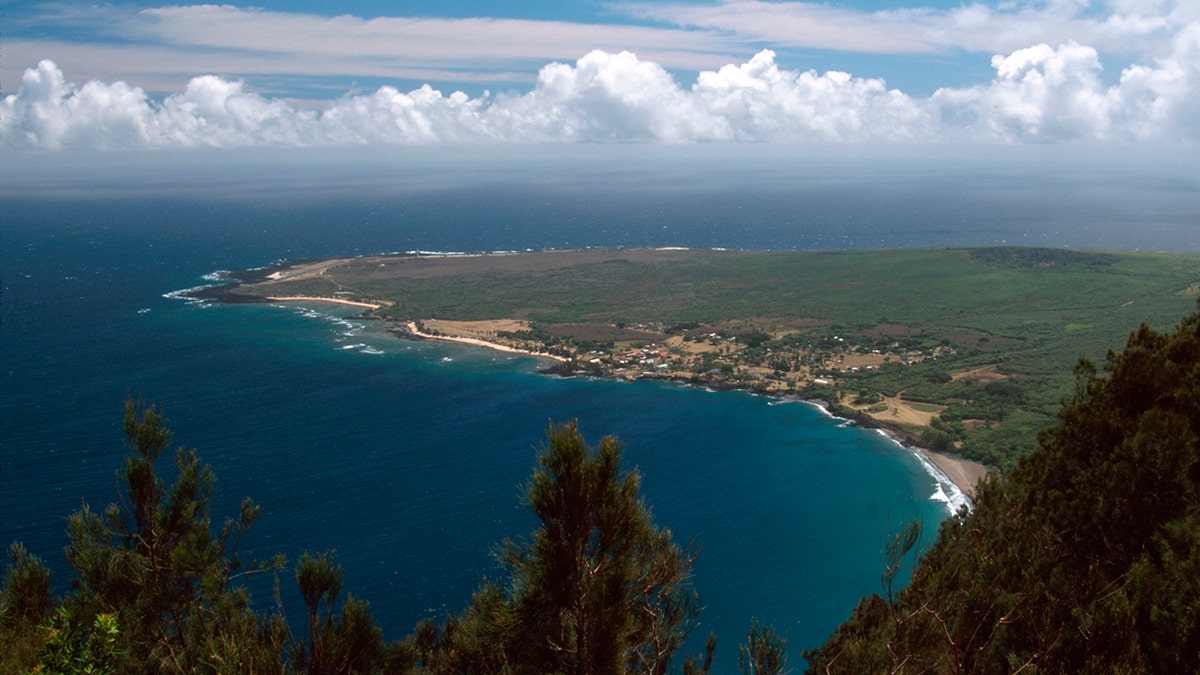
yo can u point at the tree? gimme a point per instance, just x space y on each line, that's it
24 606
343 641
764 652
153 562
597 589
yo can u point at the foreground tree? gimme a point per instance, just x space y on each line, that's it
153 564
341 639
24 607
597 589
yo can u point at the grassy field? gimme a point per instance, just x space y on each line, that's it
1007 325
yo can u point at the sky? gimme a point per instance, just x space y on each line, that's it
353 73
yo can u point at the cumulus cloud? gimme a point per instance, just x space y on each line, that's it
1039 93
1042 93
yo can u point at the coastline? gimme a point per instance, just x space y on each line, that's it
960 476
964 473
314 298
416 332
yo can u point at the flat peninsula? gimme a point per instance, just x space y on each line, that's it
966 351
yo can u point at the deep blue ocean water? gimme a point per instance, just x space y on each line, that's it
409 458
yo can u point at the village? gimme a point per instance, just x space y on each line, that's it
765 360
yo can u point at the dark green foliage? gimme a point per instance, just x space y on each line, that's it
25 595
696 665
1086 559
344 640
154 563
72 648
597 588
764 653
24 605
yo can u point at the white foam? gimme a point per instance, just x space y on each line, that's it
823 409
945 490
185 294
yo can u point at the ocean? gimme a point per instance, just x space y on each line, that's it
409 458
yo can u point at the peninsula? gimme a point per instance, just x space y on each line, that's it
965 351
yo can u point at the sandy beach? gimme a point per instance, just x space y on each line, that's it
311 298
964 473
412 328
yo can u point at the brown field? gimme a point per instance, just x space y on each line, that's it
476 329
984 374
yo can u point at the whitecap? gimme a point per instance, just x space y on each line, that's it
185 294
946 491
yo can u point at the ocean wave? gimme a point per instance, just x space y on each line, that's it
185 294
824 410
945 490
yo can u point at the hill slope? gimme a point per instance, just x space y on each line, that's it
1085 559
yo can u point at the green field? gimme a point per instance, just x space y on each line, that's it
1023 316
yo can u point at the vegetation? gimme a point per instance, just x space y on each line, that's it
596 589
1085 559
984 336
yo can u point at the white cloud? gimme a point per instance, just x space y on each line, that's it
1046 94
1038 94
761 102
47 112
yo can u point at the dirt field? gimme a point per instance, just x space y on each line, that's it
898 411
476 329
984 374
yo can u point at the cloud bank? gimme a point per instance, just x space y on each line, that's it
1038 94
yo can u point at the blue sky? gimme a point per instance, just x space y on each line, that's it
682 70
